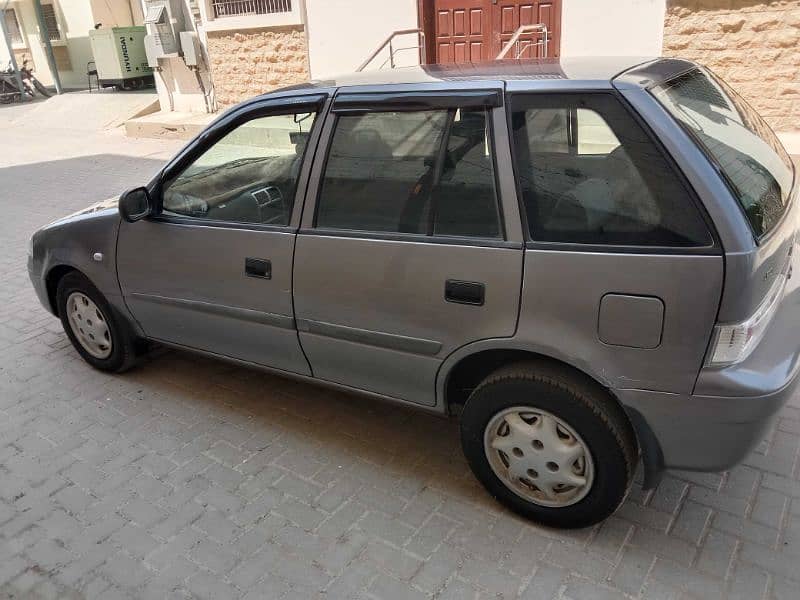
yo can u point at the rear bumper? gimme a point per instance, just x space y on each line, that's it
731 408
702 433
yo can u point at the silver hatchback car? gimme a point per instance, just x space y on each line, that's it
587 261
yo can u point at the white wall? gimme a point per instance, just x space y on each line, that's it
112 13
75 19
342 33
617 28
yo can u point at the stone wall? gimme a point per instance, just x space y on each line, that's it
251 62
754 46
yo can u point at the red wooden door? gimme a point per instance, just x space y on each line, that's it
476 30
509 15
463 30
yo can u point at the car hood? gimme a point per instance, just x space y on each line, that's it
105 206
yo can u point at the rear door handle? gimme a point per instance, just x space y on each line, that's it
464 292
258 267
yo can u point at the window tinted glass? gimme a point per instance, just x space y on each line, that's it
249 176
753 161
603 181
425 172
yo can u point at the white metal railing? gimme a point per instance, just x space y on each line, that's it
389 42
238 8
522 45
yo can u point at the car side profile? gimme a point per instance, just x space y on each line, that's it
588 262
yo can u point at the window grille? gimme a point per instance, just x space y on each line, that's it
236 8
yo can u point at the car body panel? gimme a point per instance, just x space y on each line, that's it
395 290
172 276
85 241
562 320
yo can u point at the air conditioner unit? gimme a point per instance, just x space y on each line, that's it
164 22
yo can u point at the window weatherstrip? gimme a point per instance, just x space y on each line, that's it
416 101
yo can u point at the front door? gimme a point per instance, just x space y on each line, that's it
404 257
476 30
212 270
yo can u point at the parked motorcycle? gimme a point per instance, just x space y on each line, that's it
9 88
31 83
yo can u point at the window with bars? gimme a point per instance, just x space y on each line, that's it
237 8
12 26
51 22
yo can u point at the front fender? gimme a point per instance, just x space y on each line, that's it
86 242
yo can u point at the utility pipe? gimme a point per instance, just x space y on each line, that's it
7 38
48 47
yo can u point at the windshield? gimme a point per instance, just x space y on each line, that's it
752 160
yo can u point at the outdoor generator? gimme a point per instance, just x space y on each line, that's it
119 58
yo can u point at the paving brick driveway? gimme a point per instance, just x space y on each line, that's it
192 478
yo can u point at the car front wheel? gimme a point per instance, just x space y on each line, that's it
548 444
100 336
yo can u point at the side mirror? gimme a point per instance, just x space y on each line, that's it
135 204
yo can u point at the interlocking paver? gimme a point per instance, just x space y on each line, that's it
193 478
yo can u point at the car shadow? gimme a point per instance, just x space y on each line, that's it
71 184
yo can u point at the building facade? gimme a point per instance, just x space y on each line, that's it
68 23
754 46
247 47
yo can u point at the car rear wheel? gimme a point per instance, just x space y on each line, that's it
100 336
548 444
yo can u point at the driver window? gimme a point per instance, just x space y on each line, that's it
249 176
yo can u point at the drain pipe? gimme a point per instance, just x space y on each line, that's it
48 47
17 74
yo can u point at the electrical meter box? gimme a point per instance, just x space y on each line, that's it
119 57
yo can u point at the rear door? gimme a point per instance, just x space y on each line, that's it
409 247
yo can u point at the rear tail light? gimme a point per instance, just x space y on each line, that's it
733 342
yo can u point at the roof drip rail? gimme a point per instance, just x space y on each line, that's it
522 45
389 41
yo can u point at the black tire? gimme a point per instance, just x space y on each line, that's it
123 342
41 89
579 402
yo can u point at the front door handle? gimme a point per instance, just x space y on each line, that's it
258 267
464 292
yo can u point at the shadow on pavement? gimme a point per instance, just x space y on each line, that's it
70 184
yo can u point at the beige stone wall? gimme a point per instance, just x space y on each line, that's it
247 63
754 46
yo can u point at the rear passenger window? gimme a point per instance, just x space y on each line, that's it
589 174
423 172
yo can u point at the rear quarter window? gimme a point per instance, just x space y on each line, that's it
589 174
736 139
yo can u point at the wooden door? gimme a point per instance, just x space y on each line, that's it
509 15
476 30
463 30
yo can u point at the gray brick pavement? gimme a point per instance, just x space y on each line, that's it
192 478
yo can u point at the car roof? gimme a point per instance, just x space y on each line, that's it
594 71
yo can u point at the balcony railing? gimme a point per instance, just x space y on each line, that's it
238 8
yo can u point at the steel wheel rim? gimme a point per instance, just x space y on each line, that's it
538 456
89 325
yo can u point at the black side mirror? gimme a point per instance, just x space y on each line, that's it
135 204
